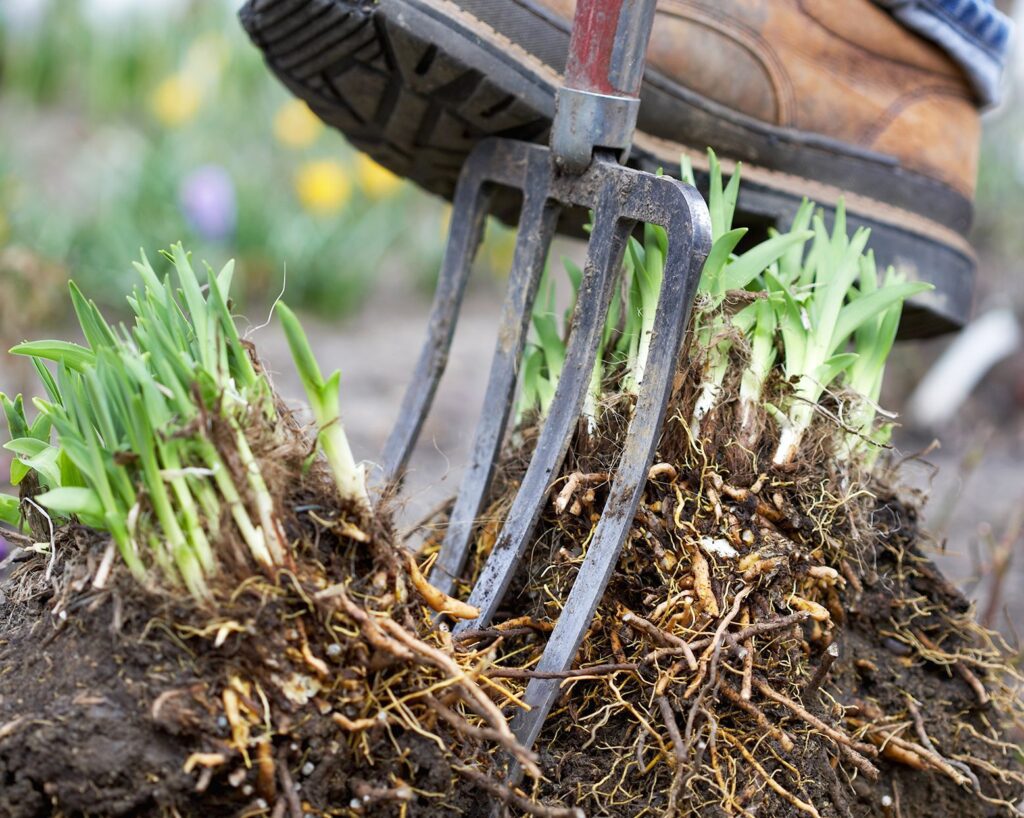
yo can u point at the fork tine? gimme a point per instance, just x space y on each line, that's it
682 209
469 210
537 226
604 256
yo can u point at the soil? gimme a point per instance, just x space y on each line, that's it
106 696
872 669
919 690
77 715
105 706
102 705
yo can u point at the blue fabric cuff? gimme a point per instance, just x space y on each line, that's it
974 33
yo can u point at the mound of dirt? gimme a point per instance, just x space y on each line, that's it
774 642
307 694
771 643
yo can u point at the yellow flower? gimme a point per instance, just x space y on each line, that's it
323 186
176 100
295 126
375 181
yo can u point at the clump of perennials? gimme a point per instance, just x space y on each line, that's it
773 641
207 617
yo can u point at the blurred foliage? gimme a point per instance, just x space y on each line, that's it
158 122
1001 182
997 235
128 123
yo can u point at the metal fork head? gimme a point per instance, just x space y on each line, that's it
620 198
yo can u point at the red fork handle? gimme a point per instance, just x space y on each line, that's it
608 46
598 104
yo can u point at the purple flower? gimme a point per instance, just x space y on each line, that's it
5 548
207 198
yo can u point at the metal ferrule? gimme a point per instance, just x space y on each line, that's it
586 121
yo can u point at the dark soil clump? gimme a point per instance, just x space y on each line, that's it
772 643
283 699
865 686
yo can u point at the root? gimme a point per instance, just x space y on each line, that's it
855 751
475 697
509 796
719 658
803 806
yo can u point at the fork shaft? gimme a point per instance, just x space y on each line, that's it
469 210
608 46
537 226
604 256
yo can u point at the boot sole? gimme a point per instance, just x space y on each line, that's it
417 83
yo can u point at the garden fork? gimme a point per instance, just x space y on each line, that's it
596 111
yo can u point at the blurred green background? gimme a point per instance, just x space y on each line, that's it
131 123
136 123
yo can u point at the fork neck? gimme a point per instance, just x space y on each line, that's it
598 104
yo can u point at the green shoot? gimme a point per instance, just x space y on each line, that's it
70 355
592 403
20 430
10 510
323 399
145 421
549 340
530 396
807 316
873 341
816 328
647 269
725 271
545 356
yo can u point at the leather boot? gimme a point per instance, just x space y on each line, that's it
818 99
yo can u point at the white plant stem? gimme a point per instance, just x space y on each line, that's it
591 402
347 473
253 535
748 422
710 393
797 422
264 501
716 348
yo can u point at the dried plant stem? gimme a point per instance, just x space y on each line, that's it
748 669
959 668
731 639
673 729
777 733
855 751
661 636
510 796
290 796
581 672
923 757
367 625
476 698
709 661
803 806
460 724
822 671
